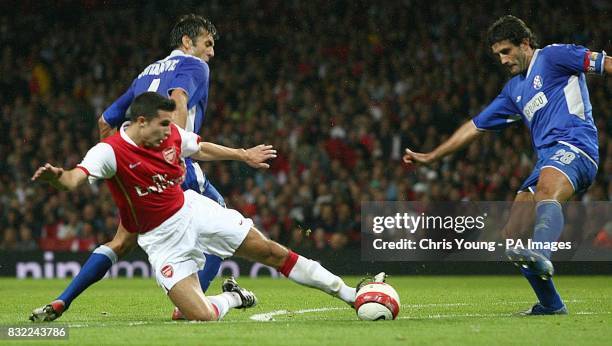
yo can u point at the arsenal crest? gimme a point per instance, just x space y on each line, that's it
170 154
167 271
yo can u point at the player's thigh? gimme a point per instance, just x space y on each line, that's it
123 242
565 170
522 215
220 231
189 298
553 184
256 247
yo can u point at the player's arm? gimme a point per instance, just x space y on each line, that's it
104 128
191 74
572 59
60 178
463 136
98 163
179 116
499 114
115 114
254 157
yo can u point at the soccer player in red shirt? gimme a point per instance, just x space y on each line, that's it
142 165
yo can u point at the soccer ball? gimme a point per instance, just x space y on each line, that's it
377 301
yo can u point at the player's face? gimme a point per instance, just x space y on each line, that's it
157 129
203 46
512 56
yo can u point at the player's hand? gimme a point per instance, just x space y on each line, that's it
256 156
411 157
47 173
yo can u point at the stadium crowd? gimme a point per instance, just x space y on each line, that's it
339 88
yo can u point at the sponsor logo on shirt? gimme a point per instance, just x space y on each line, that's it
134 165
538 82
160 184
537 102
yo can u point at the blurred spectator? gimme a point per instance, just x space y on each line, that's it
603 239
9 239
26 241
339 88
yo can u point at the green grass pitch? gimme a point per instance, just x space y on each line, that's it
435 310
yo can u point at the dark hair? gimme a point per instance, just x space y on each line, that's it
512 29
191 25
148 104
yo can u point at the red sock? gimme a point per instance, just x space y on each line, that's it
286 268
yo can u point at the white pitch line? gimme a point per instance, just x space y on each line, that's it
439 316
269 316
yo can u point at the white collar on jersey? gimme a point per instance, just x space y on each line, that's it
124 135
178 52
533 59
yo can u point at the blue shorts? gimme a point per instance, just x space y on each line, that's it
196 180
575 164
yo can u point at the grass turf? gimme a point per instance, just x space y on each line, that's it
435 310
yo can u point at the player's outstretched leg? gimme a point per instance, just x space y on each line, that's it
256 247
94 269
189 298
536 266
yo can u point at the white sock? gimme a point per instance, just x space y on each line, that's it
224 302
347 293
312 274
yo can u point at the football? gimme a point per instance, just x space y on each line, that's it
377 301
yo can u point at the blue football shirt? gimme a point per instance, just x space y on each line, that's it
176 71
551 98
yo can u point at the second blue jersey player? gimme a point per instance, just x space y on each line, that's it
548 92
184 77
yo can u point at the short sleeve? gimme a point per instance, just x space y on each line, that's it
99 162
499 114
190 142
189 76
114 115
567 58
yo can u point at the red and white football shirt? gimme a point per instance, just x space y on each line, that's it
145 182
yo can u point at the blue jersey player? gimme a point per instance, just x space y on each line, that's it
184 77
549 93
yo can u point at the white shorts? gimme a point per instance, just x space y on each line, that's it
176 247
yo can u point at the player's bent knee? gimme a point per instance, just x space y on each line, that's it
187 295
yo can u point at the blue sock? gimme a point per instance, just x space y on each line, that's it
544 289
548 227
211 268
549 223
92 271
